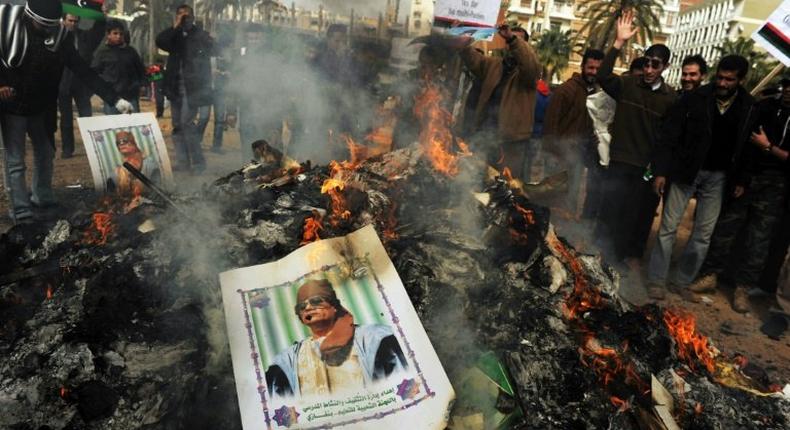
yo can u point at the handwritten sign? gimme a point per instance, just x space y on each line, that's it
327 338
774 35
482 13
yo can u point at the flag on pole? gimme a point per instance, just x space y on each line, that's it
90 9
774 35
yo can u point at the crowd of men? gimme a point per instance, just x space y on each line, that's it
627 142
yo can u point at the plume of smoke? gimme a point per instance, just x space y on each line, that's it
277 81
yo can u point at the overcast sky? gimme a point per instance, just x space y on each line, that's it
361 7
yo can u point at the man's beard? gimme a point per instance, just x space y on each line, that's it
589 79
725 93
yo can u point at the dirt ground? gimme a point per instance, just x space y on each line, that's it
731 332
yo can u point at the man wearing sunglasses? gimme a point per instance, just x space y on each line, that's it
339 355
628 203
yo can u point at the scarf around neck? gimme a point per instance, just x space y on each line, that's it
14 37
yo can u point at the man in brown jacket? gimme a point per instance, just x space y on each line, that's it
502 119
568 128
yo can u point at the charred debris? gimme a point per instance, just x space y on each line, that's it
111 316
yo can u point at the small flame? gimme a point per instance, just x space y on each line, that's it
620 404
49 292
436 136
64 393
312 225
691 344
339 175
100 229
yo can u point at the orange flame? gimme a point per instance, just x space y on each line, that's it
583 297
64 393
312 225
100 229
607 363
49 292
339 174
620 404
436 136
691 344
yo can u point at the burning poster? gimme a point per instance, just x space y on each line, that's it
111 140
327 337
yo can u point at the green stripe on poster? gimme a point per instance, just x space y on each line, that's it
258 337
272 329
373 302
282 307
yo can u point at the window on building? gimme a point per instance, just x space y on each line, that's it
417 15
417 2
417 24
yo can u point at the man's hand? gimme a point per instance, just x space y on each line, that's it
123 106
625 28
659 182
6 93
505 32
179 20
761 140
738 191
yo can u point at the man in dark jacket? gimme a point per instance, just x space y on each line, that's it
34 48
72 87
758 210
700 148
629 204
187 84
117 62
568 128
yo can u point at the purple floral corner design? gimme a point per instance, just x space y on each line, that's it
408 389
286 416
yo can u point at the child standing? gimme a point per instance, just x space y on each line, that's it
119 64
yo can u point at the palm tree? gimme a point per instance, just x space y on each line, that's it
553 47
760 63
602 15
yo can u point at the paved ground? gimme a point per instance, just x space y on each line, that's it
731 332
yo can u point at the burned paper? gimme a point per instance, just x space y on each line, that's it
111 140
327 337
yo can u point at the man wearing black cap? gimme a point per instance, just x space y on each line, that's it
34 48
339 355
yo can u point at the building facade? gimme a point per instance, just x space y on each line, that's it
420 18
538 15
703 28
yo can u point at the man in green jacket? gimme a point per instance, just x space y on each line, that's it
629 204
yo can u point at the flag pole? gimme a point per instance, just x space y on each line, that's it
776 70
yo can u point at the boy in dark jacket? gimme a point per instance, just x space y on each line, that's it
117 62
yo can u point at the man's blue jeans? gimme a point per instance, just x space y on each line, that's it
708 187
14 128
